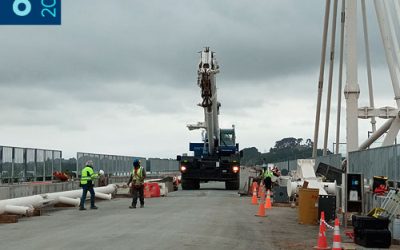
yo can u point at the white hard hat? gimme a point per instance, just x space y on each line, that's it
89 163
101 172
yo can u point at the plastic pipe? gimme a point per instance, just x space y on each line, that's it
330 187
68 201
102 196
37 201
292 187
375 136
30 201
22 210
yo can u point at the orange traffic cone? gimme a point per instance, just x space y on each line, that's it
337 241
323 220
322 243
254 200
261 209
261 191
268 201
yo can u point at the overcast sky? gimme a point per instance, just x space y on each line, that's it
119 77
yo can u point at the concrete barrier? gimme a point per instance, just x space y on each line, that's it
29 189
245 173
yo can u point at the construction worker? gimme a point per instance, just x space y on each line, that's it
87 183
137 179
266 176
103 180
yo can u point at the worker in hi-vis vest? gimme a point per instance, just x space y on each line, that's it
87 183
266 176
137 183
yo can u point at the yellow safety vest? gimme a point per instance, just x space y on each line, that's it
137 178
87 175
267 173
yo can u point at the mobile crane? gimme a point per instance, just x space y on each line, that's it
217 157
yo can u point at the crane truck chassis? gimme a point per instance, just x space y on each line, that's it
217 157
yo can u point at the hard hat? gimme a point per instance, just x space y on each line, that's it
101 172
136 163
89 163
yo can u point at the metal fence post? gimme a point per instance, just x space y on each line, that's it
1 165
12 166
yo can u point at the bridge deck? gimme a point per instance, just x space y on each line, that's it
210 218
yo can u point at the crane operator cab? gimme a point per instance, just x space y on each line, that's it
227 145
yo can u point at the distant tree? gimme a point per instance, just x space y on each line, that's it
68 165
309 143
250 156
286 143
288 148
299 141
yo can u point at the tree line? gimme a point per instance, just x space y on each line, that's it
289 148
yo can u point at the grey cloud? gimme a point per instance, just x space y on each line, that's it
110 60
157 41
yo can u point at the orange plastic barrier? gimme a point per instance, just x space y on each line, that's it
61 176
151 190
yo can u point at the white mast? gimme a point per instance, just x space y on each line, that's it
352 89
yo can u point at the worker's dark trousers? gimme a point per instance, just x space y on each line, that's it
137 190
86 188
267 183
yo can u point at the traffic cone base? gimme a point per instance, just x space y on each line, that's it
321 248
261 210
322 243
254 200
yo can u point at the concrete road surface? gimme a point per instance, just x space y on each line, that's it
210 218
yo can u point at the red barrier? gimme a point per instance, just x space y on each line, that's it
61 176
151 190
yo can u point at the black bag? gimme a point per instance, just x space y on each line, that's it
375 238
369 222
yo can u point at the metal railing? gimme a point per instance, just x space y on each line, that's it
28 164
115 165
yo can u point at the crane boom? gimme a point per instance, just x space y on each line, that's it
208 68
217 158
